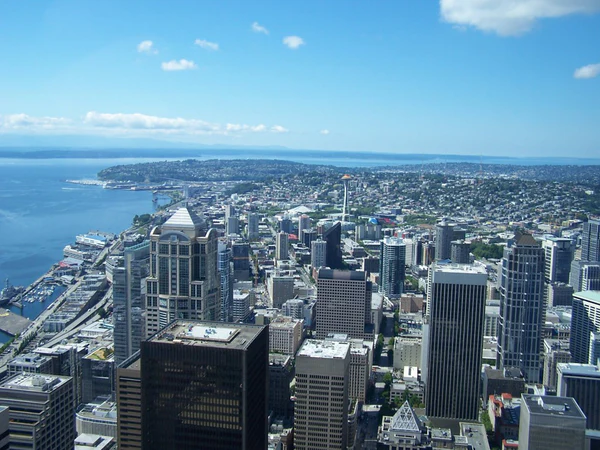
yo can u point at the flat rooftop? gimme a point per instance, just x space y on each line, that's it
459 268
591 296
589 370
314 348
553 406
205 333
34 382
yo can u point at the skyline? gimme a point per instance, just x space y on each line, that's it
519 78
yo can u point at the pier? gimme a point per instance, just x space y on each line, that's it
12 323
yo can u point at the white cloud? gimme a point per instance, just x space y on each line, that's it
324 132
510 17
182 64
278 129
259 28
589 71
207 45
24 121
293 42
147 47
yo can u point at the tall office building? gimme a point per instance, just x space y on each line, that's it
460 252
555 352
550 423
455 316
280 289
321 406
585 320
303 224
444 235
285 225
128 273
344 304
240 253
226 279
184 281
98 374
559 253
520 327
318 253
392 267
129 404
205 386
333 237
582 382
585 275
40 411
590 241
253 232
345 208
281 246
232 226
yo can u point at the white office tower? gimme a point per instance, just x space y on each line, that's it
321 406
281 246
585 321
455 316
520 327
392 267
41 415
184 280
253 232
303 224
318 253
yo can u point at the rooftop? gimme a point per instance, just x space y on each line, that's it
34 382
184 218
553 406
459 268
313 348
589 370
210 334
591 296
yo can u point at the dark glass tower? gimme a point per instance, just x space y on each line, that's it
205 386
333 237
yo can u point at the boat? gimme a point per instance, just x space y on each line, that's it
9 292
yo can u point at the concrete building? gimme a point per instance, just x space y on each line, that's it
444 235
403 430
361 363
225 266
585 275
4 428
98 417
555 351
506 381
407 352
281 289
460 252
94 442
285 335
590 241
129 404
184 280
205 385
281 246
128 272
521 307
454 340
582 382
303 224
392 267
40 411
98 374
551 423
321 406
318 253
347 291
281 375
253 231
559 294
585 320
241 305
30 363
232 226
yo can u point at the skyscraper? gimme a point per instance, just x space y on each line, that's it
345 209
590 241
253 232
281 246
303 224
41 411
392 267
343 304
205 386
318 253
240 253
582 382
226 278
455 316
558 256
584 321
333 237
444 235
521 307
321 406
184 281
460 252
128 273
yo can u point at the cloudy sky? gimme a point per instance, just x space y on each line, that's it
513 77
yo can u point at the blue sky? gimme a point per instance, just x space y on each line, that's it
517 77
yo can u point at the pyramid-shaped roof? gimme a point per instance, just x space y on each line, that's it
184 218
525 239
405 419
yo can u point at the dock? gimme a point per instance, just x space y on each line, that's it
12 323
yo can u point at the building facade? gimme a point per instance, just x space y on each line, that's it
318 253
392 267
281 247
522 308
184 282
582 382
584 321
444 235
